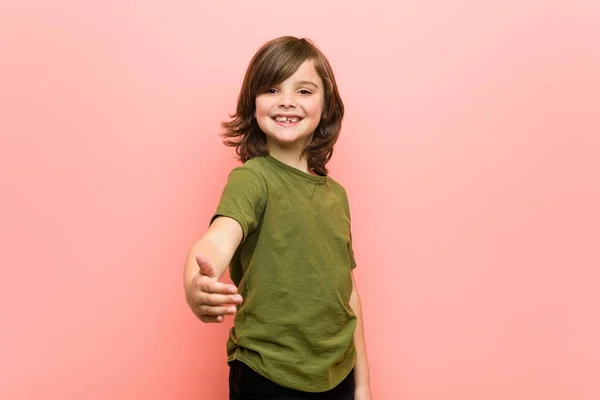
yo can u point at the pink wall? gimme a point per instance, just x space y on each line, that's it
470 152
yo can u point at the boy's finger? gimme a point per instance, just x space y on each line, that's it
216 311
210 318
213 299
214 286
204 265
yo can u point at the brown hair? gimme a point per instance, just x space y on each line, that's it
273 63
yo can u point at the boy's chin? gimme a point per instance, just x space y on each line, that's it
287 139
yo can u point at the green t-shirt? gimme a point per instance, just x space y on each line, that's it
293 269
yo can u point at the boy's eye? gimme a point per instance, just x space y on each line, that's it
274 91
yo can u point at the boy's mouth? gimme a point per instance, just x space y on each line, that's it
287 119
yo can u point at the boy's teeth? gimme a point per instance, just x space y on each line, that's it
287 119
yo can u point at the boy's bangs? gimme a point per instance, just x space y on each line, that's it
277 68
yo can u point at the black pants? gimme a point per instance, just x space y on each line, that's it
245 384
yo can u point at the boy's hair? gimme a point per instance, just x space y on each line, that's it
274 62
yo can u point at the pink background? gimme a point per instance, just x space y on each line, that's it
470 152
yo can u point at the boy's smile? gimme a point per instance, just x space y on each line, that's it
287 119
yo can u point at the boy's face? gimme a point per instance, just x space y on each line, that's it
288 113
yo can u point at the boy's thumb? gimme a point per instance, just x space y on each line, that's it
205 267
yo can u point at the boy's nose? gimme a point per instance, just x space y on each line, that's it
287 101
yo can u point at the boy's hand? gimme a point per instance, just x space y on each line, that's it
208 298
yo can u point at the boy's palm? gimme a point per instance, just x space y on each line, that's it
210 299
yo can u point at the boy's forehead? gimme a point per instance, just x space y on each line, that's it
306 73
306 68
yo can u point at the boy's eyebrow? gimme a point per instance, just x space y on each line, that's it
308 83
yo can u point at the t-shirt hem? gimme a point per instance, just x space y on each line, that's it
237 357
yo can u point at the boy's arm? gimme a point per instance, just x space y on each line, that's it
218 245
361 371
206 263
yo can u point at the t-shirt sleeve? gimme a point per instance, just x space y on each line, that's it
351 257
351 252
243 199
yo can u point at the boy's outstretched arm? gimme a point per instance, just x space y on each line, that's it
361 371
206 263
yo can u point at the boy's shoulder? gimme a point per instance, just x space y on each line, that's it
253 169
254 166
247 176
255 163
335 182
338 187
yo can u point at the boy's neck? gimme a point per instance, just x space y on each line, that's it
292 158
